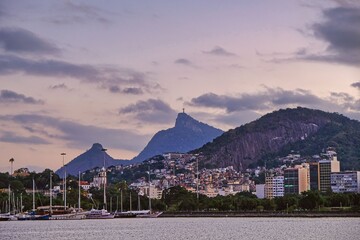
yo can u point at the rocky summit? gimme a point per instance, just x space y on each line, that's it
186 135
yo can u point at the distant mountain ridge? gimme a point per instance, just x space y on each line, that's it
276 134
306 131
186 135
90 159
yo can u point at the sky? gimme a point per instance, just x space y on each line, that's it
74 73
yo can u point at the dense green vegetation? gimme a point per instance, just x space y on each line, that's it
343 135
178 199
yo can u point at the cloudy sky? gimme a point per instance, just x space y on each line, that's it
73 73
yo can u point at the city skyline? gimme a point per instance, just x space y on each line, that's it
74 73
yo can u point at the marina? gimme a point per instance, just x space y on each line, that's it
65 212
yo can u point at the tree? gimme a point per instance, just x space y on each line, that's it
187 204
247 203
269 204
4 180
283 203
338 200
17 186
158 205
310 200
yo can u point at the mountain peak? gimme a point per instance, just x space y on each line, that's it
184 120
188 134
97 146
90 159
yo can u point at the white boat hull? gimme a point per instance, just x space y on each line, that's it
70 216
150 215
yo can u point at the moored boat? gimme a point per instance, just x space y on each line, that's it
8 217
103 213
69 216
124 215
59 212
32 216
4 217
149 215
99 214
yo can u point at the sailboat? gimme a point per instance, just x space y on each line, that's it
22 215
62 212
51 212
149 213
127 214
10 214
103 213
33 215
7 216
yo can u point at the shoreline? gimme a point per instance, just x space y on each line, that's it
260 214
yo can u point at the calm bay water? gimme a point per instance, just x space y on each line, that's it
185 228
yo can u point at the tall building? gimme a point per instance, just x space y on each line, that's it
274 186
297 179
345 182
320 172
314 176
326 167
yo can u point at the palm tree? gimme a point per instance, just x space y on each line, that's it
11 162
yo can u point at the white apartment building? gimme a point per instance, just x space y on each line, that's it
345 182
274 186
260 191
154 192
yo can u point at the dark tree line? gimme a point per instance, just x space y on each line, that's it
173 199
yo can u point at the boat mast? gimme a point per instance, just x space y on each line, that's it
197 183
65 189
111 204
63 183
33 194
130 202
50 193
9 199
121 201
104 178
17 204
197 179
139 202
13 201
149 192
21 203
79 201
105 207
117 203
